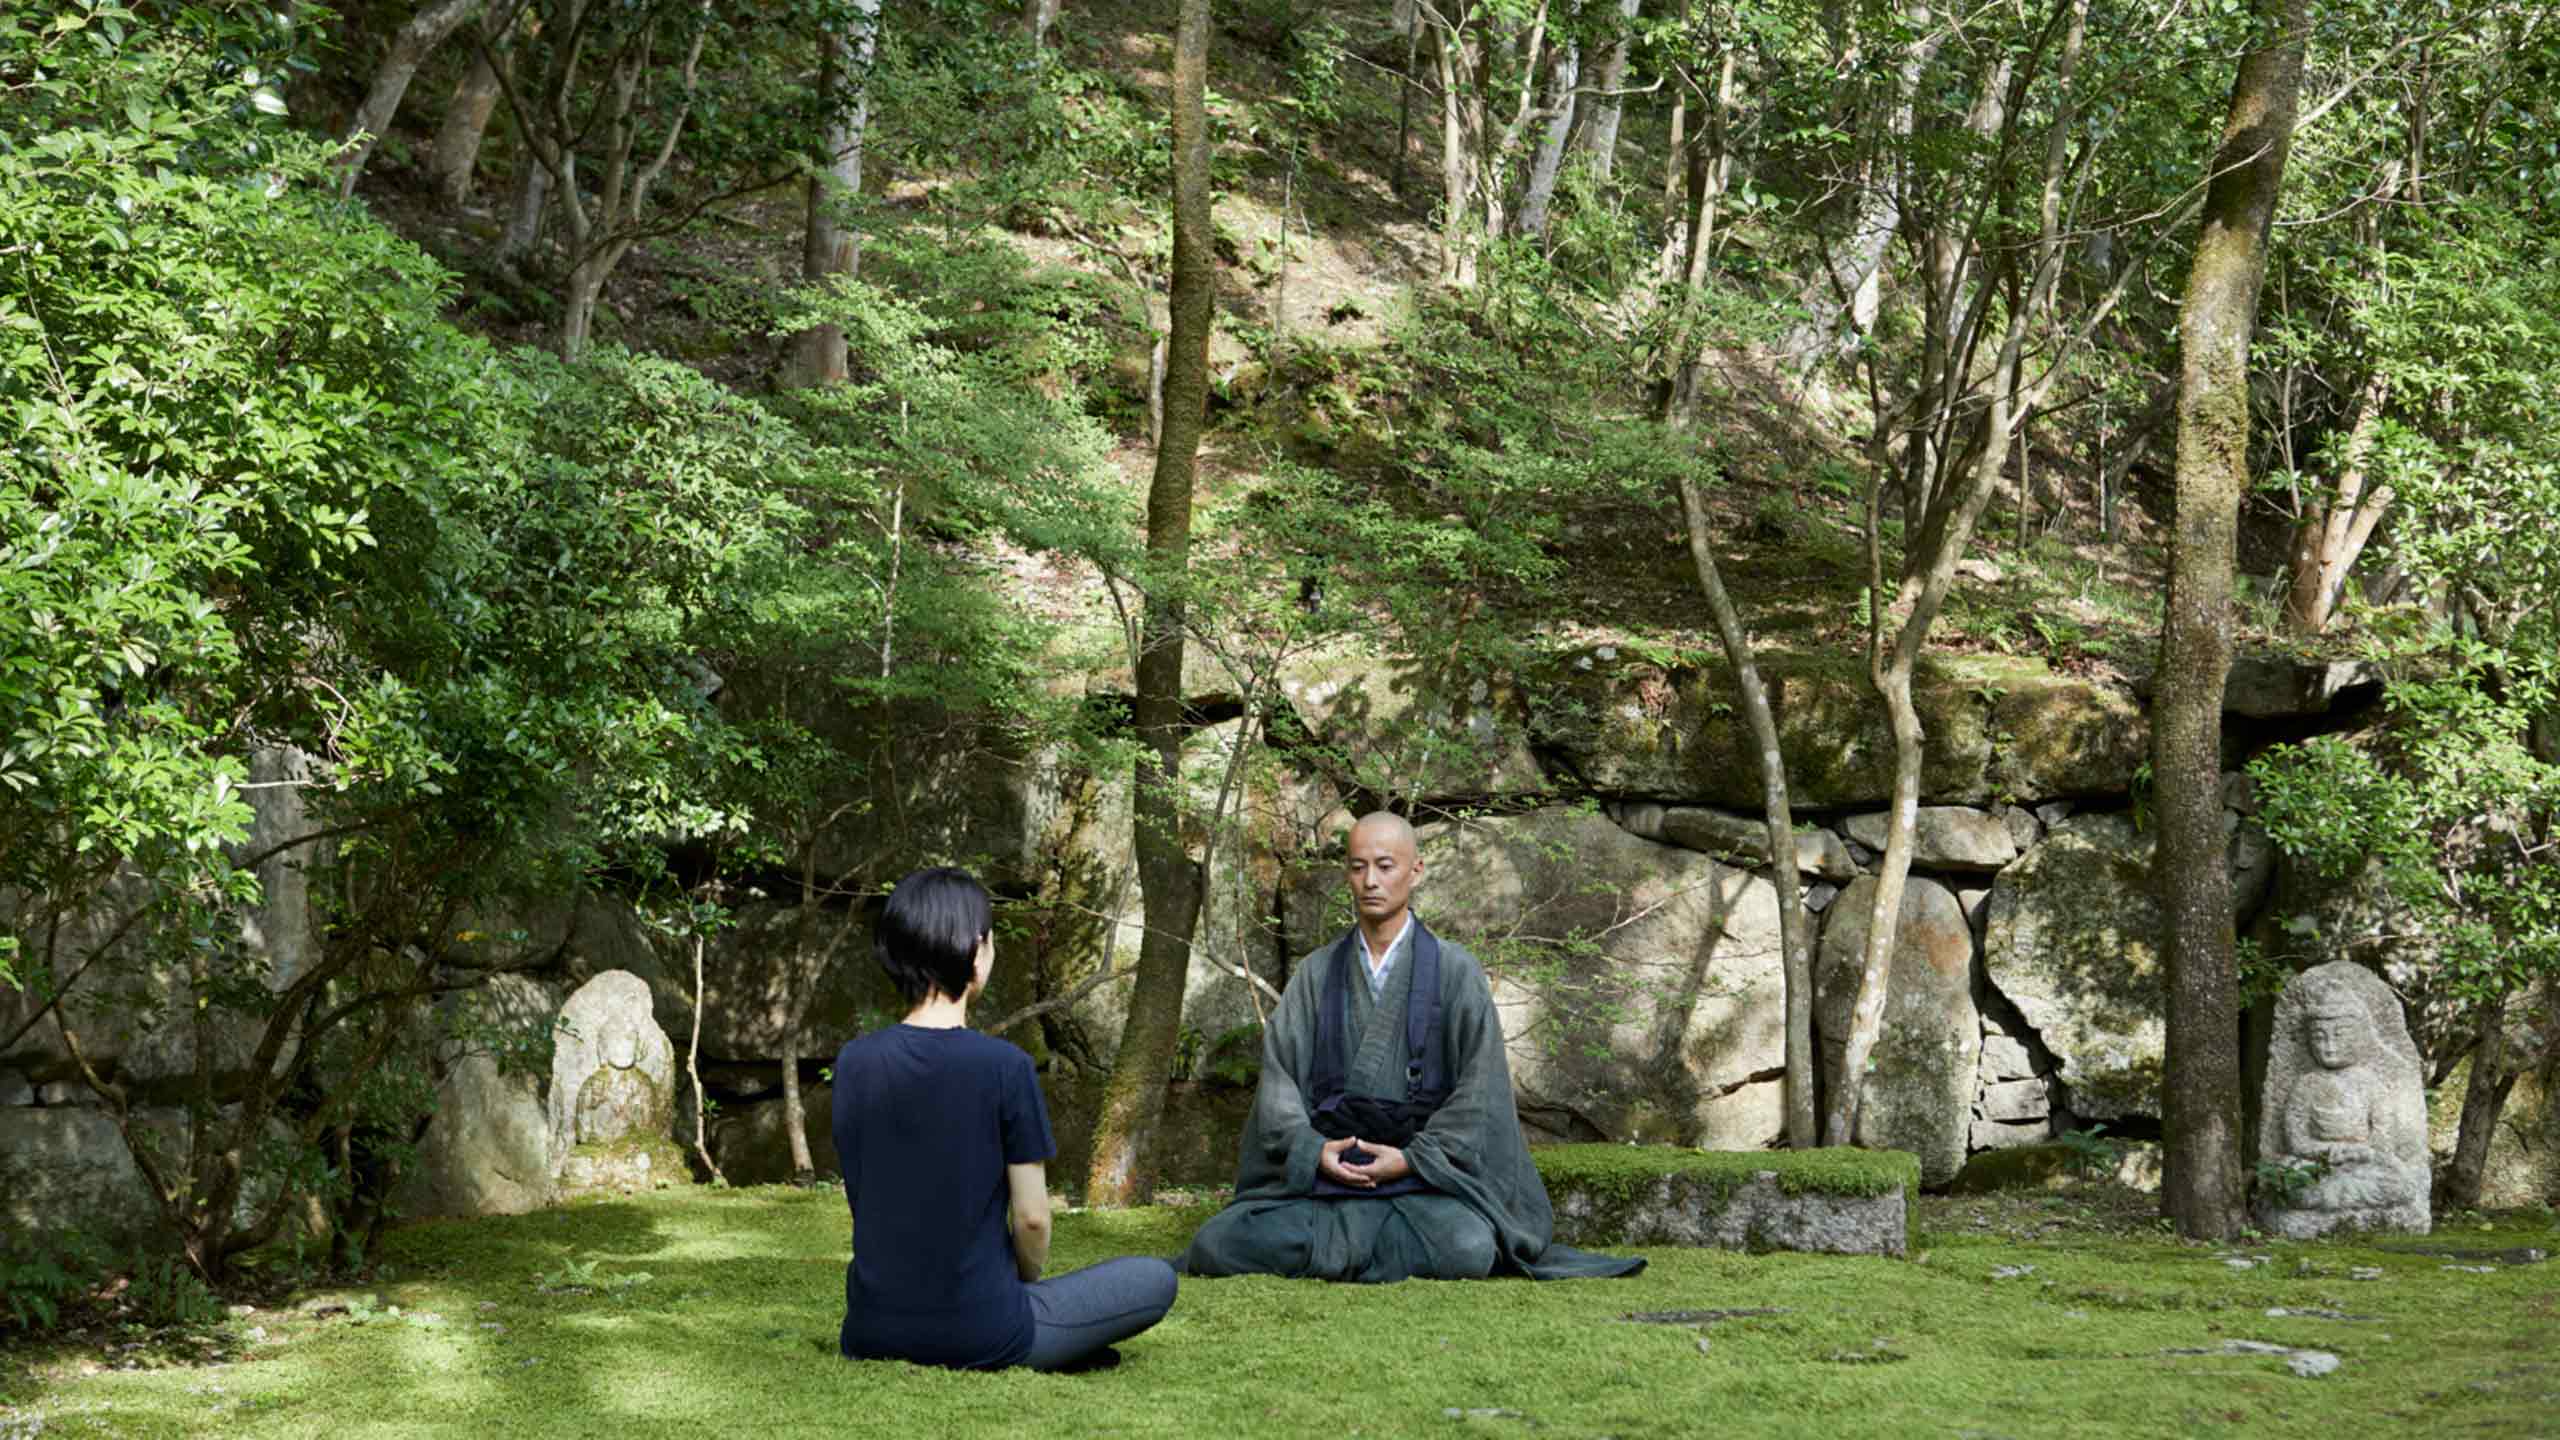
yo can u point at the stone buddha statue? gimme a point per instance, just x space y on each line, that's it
2346 1103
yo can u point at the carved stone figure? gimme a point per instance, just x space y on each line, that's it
612 1069
2345 1109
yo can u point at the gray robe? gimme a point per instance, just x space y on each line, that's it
1486 1210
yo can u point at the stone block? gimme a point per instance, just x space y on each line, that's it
1944 837
2011 1101
1744 841
1756 1201
2008 1134
1922 1075
2005 1058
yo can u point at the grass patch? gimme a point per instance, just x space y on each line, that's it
2049 1314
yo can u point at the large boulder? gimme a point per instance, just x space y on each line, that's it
1630 726
2061 737
1403 727
66 1167
752 1140
488 1149
1640 985
1918 1092
2072 941
1092 911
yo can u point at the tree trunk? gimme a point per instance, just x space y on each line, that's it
578 301
410 46
818 353
456 155
2204 1182
1454 59
1541 190
1893 874
1795 930
1852 288
524 214
1599 139
1037 17
2333 533
1123 1168
2484 1097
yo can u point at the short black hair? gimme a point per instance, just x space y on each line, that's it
928 933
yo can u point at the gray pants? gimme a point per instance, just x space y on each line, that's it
1076 1314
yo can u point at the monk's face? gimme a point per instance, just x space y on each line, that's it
1383 868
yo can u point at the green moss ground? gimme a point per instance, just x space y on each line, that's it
731 1334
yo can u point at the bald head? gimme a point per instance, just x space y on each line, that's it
1382 864
1385 827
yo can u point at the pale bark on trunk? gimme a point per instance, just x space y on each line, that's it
1710 174
1169 881
2333 533
818 355
1795 928
1850 293
1929 572
2204 1184
1037 17
1454 58
1549 162
606 217
1599 138
525 210
455 157
411 44
693 1073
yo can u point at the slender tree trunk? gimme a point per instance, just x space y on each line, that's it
2204 1183
410 46
1599 138
1795 929
1123 1169
2333 533
2484 1097
1404 100
693 1073
455 157
818 353
1454 60
1852 288
1549 161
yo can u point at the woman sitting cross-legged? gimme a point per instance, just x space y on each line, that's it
942 1133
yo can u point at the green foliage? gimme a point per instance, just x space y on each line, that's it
41 1276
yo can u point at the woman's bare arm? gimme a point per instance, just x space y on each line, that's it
1029 1187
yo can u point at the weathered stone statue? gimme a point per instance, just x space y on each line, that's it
2346 1106
612 1070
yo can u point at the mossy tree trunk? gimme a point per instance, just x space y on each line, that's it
2204 1185
1169 882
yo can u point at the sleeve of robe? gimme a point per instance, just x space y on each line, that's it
1278 1151
1472 1149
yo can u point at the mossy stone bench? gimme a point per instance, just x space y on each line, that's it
1836 1201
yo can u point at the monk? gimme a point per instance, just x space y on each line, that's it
1383 1144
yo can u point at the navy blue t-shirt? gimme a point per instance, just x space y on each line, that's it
925 1122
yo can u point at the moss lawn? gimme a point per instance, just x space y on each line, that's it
699 1312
